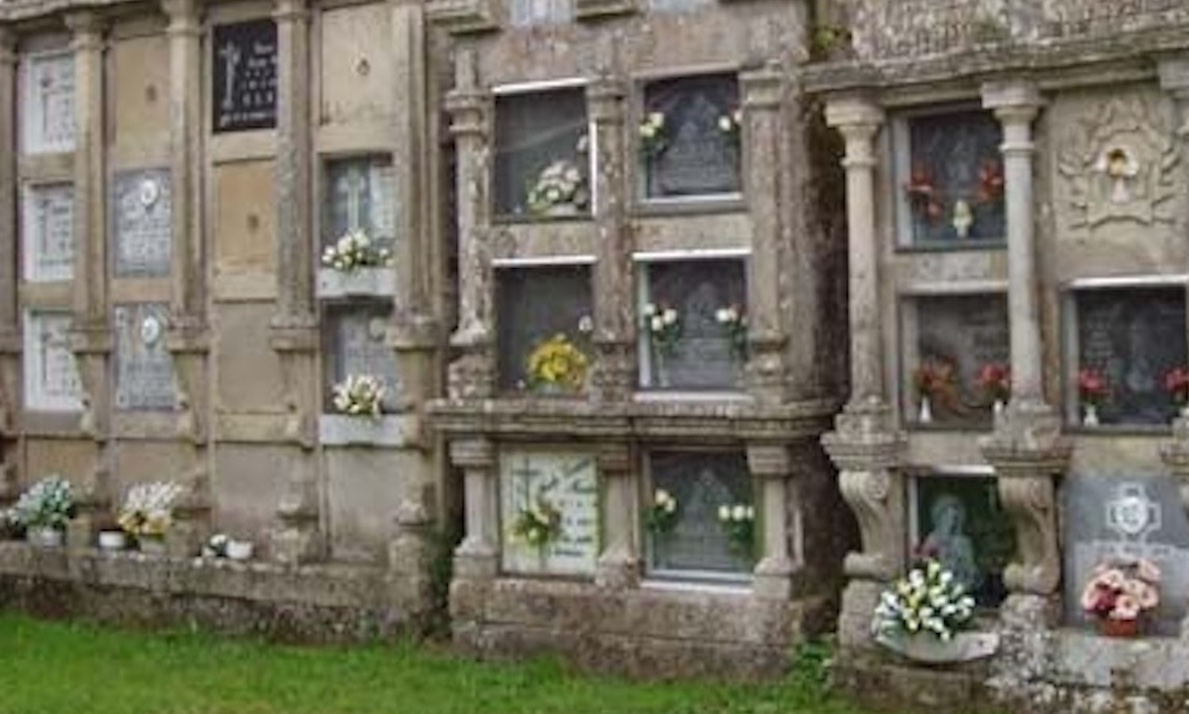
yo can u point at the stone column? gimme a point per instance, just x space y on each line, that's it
472 375
477 557
864 446
189 337
771 466
90 335
10 333
1026 449
293 333
619 563
615 366
762 92
414 331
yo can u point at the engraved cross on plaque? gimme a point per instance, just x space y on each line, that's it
354 187
231 59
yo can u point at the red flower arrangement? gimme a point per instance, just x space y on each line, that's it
990 178
923 195
1176 383
933 375
994 379
1092 386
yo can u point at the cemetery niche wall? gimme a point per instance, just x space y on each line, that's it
644 359
212 218
1017 321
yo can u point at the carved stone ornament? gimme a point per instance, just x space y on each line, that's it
1119 164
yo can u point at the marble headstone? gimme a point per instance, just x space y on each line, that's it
1126 517
142 223
144 367
567 481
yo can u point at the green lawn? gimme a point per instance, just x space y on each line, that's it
52 667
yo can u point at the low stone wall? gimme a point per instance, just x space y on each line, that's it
328 603
651 632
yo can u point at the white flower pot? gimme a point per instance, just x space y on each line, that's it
362 281
930 649
239 550
112 540
925 415
1091 415
45 537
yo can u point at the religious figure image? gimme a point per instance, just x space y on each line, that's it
948 542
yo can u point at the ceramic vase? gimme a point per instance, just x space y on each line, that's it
40 537
1091 415
925 415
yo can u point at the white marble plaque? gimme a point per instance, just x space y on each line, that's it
47 232
566 481
142 223
48 116
356 344
144 368
51 375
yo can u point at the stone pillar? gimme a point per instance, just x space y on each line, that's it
413 333
189 336
90 335
1026 449
293 333
478 556
10 333
864 446
619 563
472 375
771 466
615 366
762 92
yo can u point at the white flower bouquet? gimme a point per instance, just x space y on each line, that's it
734 321
664 326
359 395
560 184
216 546
731 122
929 600
738 523
653 138
354 251
49 503
662 516
148 509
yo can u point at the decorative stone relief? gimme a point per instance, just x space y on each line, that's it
1119 164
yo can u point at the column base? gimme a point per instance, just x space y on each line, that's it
858 608
476 561
617 571
773 579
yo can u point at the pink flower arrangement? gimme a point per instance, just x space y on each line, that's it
995 380
1176 383
1122 591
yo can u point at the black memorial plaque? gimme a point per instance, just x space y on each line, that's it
702 483
244 76
699 157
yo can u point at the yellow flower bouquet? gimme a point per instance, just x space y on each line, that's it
557 364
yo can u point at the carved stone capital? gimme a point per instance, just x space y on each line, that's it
854 114
291 11
473 453
1013 101
87 28
293 333
184 16
769 461
614 371
604 100
762 89
615 460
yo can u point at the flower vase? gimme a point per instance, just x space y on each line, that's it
1111 627
45 537
1091 416
925 415
151 544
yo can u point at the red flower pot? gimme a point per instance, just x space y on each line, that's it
1111 627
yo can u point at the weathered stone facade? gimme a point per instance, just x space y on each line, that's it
1089 184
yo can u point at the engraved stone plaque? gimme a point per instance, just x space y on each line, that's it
566 482
48 120
244 76
360 197
1126 517
1133 337
959 521
701 482
707 354
142 223
48 232
699 156
355 344
144 367
535 304
967 332
51 375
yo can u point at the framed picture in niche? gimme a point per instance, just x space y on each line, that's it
957 352
950 181
959 521
1126 341
545 317
693 324
699 514
542 154
47 232
355 343
47 117
360 196
689 138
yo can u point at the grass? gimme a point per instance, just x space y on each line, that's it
57 667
